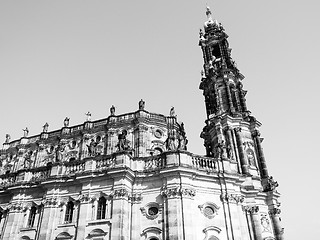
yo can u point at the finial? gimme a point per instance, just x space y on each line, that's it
208 13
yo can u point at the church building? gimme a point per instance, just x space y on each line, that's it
130 176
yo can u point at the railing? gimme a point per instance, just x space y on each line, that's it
75 167
105 163
102 163
204 163
154 163
39 176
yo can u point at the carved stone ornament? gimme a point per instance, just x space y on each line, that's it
232 198
152 210
51 202
135 198
84 197
209 209
120 193
177 192
271 185
265 223
274 211
252 209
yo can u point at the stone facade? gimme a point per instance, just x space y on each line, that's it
130 176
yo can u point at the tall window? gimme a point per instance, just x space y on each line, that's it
69 212
32 216
101 213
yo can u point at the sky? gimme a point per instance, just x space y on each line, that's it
64 58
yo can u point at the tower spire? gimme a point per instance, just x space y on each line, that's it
229 125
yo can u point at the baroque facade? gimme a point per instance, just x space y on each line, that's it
130 176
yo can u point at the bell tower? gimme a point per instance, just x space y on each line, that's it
231 132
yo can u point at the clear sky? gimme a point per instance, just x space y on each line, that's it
64 58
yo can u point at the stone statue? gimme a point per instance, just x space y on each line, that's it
271 184
250 156
66 122
172 112
25 132
27 160
141 104
229 151
8 137
112 110
172 142
182 138
45 127
123 144
92 148
221 150
88 114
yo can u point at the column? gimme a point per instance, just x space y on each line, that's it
243 160
217 98
49 218
262 161
276 222
120 215
236 150
236 94
231 151
254 210
173 214
14 221
231 107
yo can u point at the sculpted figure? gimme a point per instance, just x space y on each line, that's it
229 152
271 185
141 104
27 160
8 137
123 144
66 122
92 148
182 138
112 110
45 127
221 150
88 114
172 112
171 143
25 132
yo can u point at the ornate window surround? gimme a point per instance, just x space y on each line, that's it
211 205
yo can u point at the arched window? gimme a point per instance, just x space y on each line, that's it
101 212
32 216
69 212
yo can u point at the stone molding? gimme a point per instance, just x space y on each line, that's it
254 209
177 192
231 198
145 210
274 211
